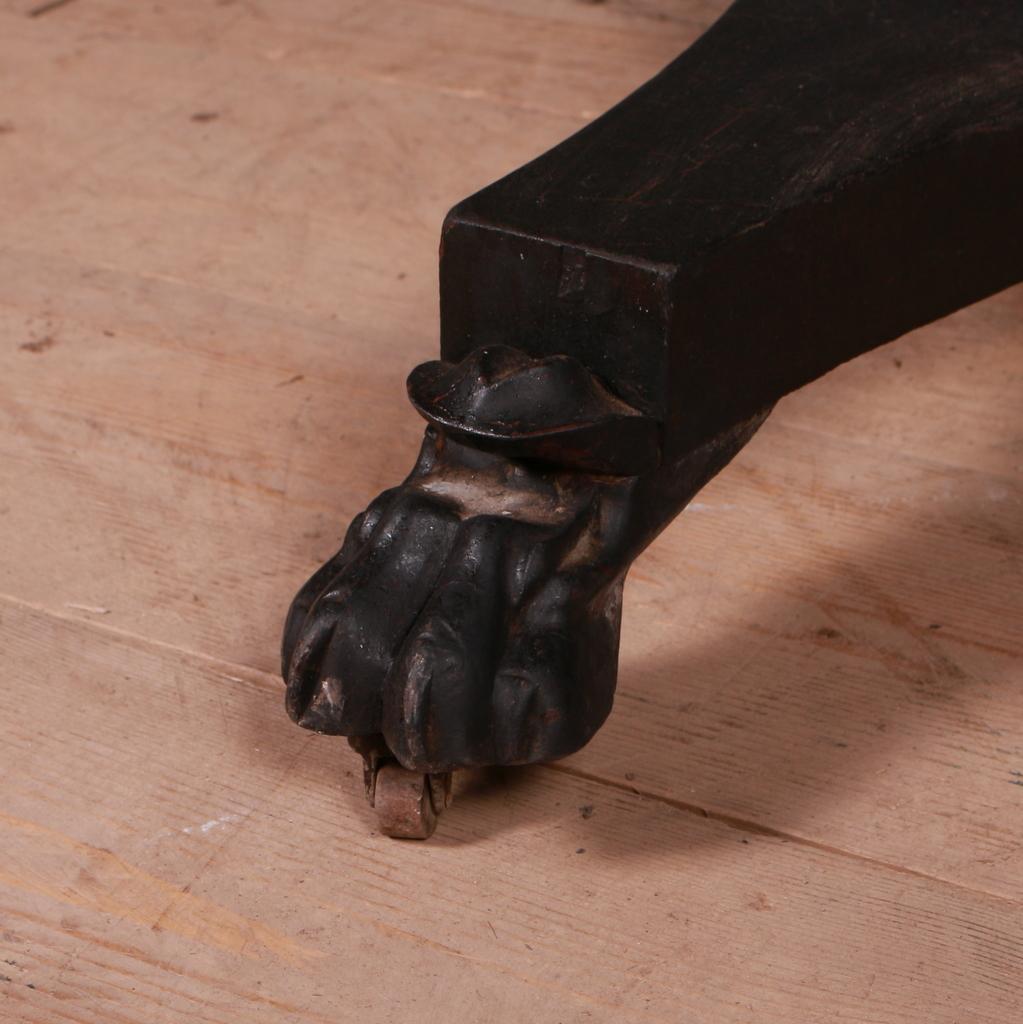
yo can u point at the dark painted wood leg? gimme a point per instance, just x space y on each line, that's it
805 183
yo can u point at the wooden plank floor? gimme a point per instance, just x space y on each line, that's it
218 233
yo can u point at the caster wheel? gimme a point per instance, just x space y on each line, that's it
407 803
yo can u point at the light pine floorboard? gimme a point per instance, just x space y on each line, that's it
808 803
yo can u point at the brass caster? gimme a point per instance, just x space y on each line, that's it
407 802
404 803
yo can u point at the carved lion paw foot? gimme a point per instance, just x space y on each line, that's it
467 618
472 615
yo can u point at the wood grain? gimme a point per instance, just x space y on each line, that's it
198 859
807 801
